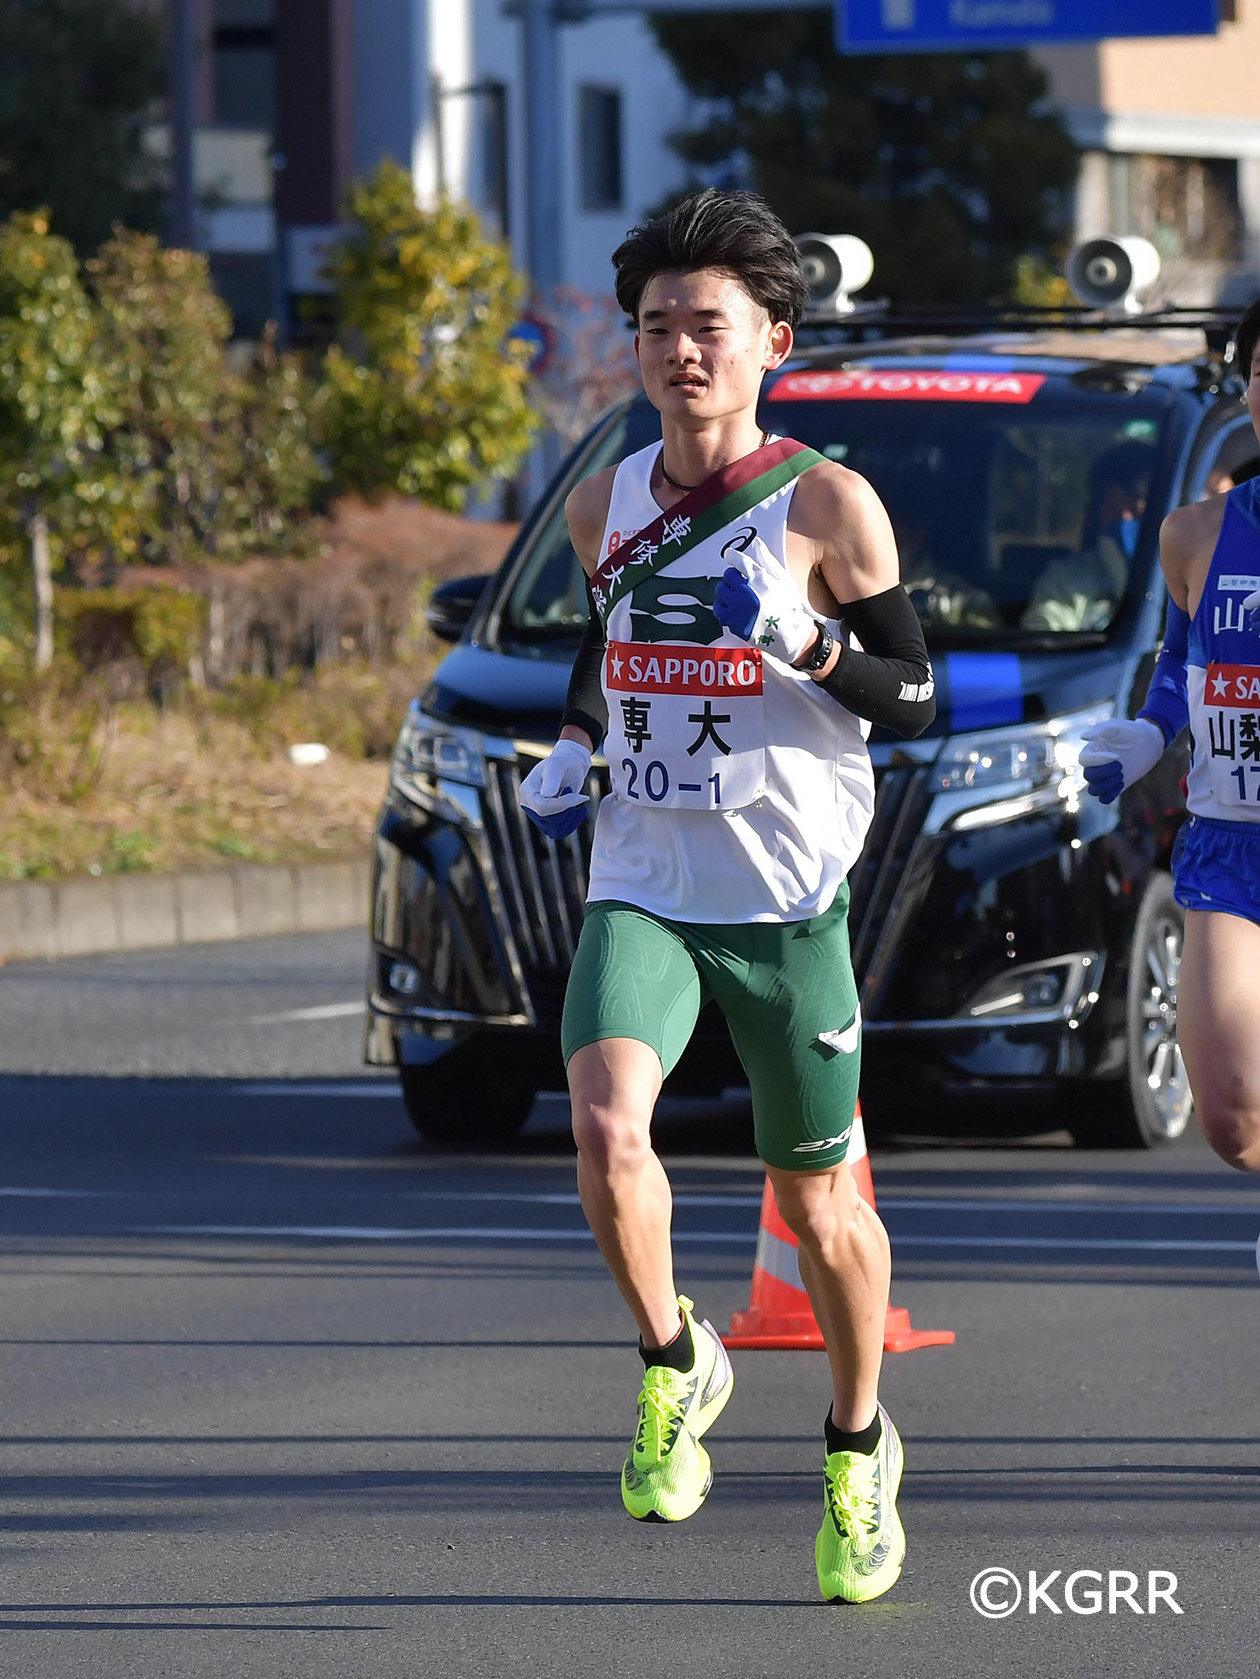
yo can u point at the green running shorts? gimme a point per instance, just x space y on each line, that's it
787 991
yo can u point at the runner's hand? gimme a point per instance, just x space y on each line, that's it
771 616
1252 602
551 794
1118 754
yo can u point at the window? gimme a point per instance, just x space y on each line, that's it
245 64
494 153
1186 206
599 147
244 14
1017 525
1235 457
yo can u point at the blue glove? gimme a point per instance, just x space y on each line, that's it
552 793
561 825
735 603
772 616
1105 781
1117 754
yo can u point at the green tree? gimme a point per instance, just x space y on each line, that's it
949 165
422 394
220 457
56 486
280 472
78 79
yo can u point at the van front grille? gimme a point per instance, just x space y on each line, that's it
543 881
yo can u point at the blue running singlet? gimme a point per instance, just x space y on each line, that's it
1216 862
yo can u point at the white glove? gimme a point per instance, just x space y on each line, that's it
1119 754
556 783
1252 602
769 614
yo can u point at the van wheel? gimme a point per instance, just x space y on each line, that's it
1152 1106
472 1097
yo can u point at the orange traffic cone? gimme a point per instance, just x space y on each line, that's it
779 1314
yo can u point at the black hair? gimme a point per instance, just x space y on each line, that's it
1245 340
734 231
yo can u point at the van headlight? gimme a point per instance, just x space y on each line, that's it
993 777
1034 756
1062 988
429 751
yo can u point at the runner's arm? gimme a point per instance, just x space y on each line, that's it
1119 753
1167 703
586 707
890 680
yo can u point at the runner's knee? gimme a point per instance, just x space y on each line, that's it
613 1134
1231 1124
818 1208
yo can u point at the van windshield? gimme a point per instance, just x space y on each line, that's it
1020 518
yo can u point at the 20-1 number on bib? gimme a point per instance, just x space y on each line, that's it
686 725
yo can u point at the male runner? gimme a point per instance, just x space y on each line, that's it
727 570
1208 673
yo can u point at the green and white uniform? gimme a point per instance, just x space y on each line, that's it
741 797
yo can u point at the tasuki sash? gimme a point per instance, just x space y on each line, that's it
726 495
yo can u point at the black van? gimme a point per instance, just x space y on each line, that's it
1016 942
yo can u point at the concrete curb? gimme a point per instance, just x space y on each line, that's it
88 915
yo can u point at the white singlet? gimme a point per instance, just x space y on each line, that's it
741 791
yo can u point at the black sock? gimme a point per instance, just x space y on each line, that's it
865 1440
678 1354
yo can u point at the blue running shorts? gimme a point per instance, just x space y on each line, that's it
1216 866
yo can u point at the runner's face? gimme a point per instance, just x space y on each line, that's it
703 345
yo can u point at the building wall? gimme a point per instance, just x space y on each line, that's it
1191 98
468 43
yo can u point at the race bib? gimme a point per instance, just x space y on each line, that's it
686 724
1231 700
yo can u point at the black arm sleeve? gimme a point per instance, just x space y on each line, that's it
890 682
585 706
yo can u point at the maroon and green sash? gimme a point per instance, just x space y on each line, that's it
724 496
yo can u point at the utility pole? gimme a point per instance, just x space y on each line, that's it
182 61
544 125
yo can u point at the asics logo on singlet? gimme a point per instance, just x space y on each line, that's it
675 609
740 543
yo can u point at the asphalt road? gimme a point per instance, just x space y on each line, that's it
284 1392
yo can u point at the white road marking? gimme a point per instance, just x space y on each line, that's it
66 1194
377 1233
384 1088
682 1198
983 1205
325 1011
687 1198
524 1233
1085 1244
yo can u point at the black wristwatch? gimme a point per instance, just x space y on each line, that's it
822 652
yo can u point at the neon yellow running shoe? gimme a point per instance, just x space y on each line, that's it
861 1544
668 1474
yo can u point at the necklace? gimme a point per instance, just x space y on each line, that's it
665 474
687 488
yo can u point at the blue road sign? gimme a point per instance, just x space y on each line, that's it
954 25
537 339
